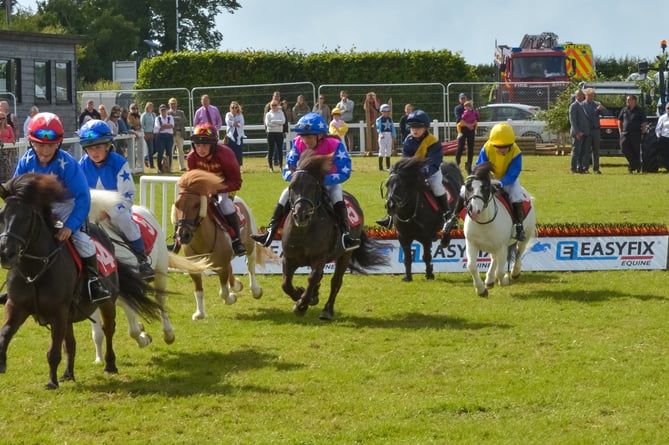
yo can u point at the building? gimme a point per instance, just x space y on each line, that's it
40 69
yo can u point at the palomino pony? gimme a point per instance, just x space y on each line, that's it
489 228
44 280
414 211
160 257
311 237
199 232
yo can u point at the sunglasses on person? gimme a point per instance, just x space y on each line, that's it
46 134
502 147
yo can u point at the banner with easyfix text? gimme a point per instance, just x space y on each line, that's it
541 254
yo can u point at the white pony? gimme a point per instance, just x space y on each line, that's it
489 228
161 259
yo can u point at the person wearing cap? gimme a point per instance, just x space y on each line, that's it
45 134
424 145
179 130
502 151
105 169
210 155
385 128
163 128
312 136
337 126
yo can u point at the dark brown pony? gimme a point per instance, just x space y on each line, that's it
311 237
44 281
414 216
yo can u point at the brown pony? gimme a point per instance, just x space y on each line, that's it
200 234
44 280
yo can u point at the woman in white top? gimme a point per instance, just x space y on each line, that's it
274 120
163 128
234 121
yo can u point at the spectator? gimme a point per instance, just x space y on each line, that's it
163 128
337 126
179 131
346 107
207 113
33 111
89 112
6 131
371 106
466 132
579 131
148 119
102 112
301 108
460 107
593 110
11 118
234 120
632 124
662 133
274 122
135 124
288 112
276 96
404 128
385 127
322 108
111 121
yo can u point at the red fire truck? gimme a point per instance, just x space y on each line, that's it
538 70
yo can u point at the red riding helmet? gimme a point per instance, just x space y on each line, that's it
46 128
204 134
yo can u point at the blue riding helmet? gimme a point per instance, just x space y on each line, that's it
311 123
94 132
418 118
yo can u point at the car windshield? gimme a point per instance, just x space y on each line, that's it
538 66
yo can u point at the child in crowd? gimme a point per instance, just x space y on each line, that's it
385 127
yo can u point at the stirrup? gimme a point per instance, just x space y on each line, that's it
349 243
238 247
96 290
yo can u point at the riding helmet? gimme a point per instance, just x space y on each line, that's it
94 132
502 135
418 118
384 107
204 134
311 123
46 128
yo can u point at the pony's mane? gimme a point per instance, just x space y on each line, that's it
199 181
35 189
408 166
483 170
317 165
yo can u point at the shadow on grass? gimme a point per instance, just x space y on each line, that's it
182 374
411 320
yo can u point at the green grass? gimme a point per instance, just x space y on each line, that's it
556 358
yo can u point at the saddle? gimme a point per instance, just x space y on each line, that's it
506 202
214 213
107 263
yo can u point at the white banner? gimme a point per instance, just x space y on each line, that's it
542 254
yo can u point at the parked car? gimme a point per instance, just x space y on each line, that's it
523 119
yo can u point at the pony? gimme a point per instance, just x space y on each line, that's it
160 257
311 237
44 281
413 209
489 228
200 233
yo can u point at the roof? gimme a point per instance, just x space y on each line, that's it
36 37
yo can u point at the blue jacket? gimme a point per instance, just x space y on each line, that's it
427 147
113 174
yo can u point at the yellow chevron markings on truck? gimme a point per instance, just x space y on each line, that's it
580 64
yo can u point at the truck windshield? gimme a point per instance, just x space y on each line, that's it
538 66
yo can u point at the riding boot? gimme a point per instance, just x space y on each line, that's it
451 221
388 163
347 240
266 238
145 269
380 164
96 288
237 245
518 216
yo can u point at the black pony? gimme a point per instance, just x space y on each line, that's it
311 237
414 211
44 281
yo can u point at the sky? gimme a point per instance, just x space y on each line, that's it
613 29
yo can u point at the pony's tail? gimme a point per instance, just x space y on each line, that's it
134 290
370 255
192 265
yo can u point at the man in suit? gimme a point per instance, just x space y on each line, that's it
580 131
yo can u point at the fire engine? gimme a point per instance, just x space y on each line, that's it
538 70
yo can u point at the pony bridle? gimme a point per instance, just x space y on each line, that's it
192 223
484 200
400 203
313 206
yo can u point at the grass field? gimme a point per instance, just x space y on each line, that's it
556 358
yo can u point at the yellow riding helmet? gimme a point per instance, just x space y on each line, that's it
502 134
